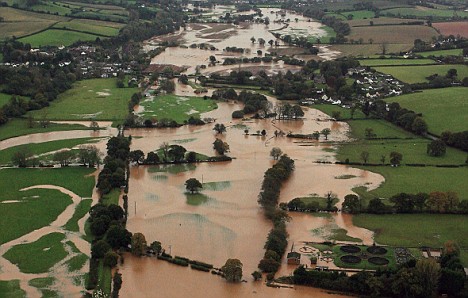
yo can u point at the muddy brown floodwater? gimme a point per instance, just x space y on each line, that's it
225 220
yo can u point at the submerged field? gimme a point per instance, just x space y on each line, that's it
443 109
98 99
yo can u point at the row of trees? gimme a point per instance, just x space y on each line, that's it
422 278
113 175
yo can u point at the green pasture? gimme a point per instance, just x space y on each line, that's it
423 12
25 211
80 211
41 148
54 37
178 108
395 62
77 262
4 98
20 127
98 99
320 200
366 50
359 14
452 52
443 109
38 256
381 129
11 289
418 74
88 28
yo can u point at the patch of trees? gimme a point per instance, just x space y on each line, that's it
277 242
339 26
456 139
421 278
288 112
113 175
232 61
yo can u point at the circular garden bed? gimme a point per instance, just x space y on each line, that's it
378 261
350 259
352 249
376 250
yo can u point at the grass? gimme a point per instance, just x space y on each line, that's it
359 14
38 256
418 74
453 52
178 108
11 289
112 197
196 199
329 32
19 127
98 29
320 200
105 277
55 37
4 98
37 207
172 169
398 34
77 262
366 50
99 99
395 62
419 179
344 113
423 12
443 109
341 235
381 128
41 148
415 230
378 21
42 282
81 210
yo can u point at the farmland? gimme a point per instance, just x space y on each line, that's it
453 28
381 62
55 37
91 26
420 12
398 34
95 98
379 21
443 109
418 74
454 52
366 50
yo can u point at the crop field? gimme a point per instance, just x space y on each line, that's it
91 26
19 22
55 37
418 74
379 21
415 230
366 50
453 52
99 99
398 33
41 148
52 8
420 11
453 28
380 62
178 108
443 109
25 211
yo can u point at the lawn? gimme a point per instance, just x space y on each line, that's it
418 74
37 207
453 52
11 289
419 179
443 109
415 229
55 37
178 108
381 62
19 127
41 148
398 33
38 256
99 99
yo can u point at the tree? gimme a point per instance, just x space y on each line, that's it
156 247
168 86
94 125
89 155
384 47
165 150
427 272
369 132
326 132
261 41
316 135
276 153
176 152
99 249
252 39
438 202
110 259
382 159
330 197
419 126
21 157
257 275
118 236
191 157
136 156
152 158
232 270
270 42
219 128
117 284
395 158
138 244
63 157
376 206
365 156
183 78
436 148
351 204
220 146
193 185
336 115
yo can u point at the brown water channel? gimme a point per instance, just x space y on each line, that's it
226 221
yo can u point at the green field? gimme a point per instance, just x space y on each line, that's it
80 211
99 99
19 127
178 108
359 14
38 256
367 50
380 62
443 109
41 148
97 29
381 129
418 74
423 12
453 52
415 230
4 99
53 37
344 113
37 207
11 289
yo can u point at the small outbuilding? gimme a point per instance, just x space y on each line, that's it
294 258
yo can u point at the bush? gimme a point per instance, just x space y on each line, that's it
199 268
201 264
238 114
